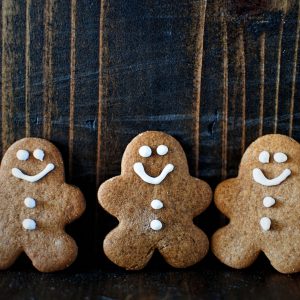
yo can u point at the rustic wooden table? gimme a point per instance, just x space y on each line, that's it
90 75
208 280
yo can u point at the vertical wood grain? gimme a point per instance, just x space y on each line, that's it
294 74
236 94
27 68
289 38
197 81
225 97
262 46
7 73
47 71
278 73
242 65
72 83
100 94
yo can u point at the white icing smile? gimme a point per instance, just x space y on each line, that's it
260 178
140 171
19 174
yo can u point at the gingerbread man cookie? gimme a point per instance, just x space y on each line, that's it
263 206
155 200
35 205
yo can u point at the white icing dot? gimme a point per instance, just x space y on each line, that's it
156 225
22 155
265 223
280 157
264 157
29 224
58 243
156 204
268 201
145 151
162 150
29 202
39 154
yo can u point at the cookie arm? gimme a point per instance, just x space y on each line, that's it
202 197
226 195
73 202
111 195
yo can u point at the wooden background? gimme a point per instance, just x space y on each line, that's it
89 75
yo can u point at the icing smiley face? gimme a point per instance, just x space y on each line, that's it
153 161
32 161
24 155
264 158
138 167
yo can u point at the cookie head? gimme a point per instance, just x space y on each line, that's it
32 160
154 157
271 159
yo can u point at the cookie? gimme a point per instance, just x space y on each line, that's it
155 200
263 206
35 205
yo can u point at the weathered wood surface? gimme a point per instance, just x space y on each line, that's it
257 283
90 75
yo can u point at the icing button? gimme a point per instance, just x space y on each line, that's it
268 201
265 223
29 224
30 202
156 225
156 204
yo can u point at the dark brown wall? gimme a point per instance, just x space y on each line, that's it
89 75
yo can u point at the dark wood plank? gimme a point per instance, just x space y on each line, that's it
34 85
294 75
214 97
82 135
150 51
13 72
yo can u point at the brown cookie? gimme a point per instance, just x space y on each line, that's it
155 200
35 205
263 206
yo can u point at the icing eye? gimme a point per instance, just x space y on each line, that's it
280 157
264 157
22 155
145 151
39 154
162 150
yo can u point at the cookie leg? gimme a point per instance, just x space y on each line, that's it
51 252
184 249
233 248
284 255
9 252
128 249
